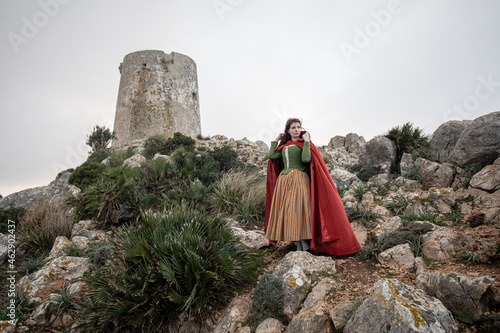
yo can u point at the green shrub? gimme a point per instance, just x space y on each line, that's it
116 199
180 140
99 155
407 139
41 225
227 158
86 174
201 137
14 214
268 300
118 156
100 138
155 144
165 146
171 263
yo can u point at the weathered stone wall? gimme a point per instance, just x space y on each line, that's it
158 94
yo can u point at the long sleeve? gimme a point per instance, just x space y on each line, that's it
273 155
306 152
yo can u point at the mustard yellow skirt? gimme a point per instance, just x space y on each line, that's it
290 213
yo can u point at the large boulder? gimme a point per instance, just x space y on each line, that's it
337 141
444 139
462 295
238 311
311 321
254 239
343 179
407 164
434 174
379 151
270 325
354 143
386 227
135 161
479 142
64 267
398 257
440 244
57 191
311 318
488 179
395 307
297 270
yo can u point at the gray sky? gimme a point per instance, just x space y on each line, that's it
342 66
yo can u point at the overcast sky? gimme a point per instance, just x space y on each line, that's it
342 66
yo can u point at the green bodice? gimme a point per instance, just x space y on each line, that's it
293 156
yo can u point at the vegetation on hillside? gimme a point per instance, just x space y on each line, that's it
176 256
408 139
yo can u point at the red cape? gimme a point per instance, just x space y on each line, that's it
331 230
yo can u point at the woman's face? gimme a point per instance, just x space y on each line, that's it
294 130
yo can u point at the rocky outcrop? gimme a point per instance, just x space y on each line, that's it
395 307
488 179
65 268
445 138
270 325
379 151
253 153
254 239
57 191
398 257
434 174
386 227
343 179
135 161
462 295
352 143
238 311
296 271
440 244
311 321
479 142
311 318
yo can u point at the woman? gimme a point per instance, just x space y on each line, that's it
302 202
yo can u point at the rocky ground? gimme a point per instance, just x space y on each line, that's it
356 276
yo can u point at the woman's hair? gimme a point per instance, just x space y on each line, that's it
289 123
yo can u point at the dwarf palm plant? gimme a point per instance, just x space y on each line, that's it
170 264
407 139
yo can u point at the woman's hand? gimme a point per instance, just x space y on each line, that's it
306 136
280 136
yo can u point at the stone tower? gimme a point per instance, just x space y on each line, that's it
158 94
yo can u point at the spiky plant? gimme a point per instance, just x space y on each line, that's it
115 198
407 139
171 264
